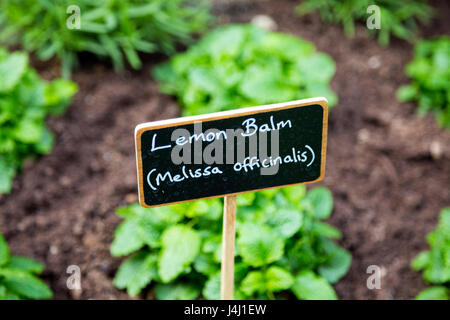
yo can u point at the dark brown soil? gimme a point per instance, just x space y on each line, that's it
389 171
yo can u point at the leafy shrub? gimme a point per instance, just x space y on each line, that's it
282 247
242 65
25 101
435 262
18 276
430 73
398 18
109 28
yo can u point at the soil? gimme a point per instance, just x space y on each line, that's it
389 170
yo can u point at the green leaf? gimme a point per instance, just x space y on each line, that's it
260 85
211 290
316 68
224 42
7 295
25 284
202 208
321 90
58 93
167 215
11 70
287 46
434 293
286 222
177 291
136 273
309 286
259 245
245 199
278 279
45 144
322 202
325 230
407 93
4 251
204 79
132 211
28 131
8 171
421 261
148 232
126 239
254 282
205 264
180 246
25 264
304 254
337 262
294 193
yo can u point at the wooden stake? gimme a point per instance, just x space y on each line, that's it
228 236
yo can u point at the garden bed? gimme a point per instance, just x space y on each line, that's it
388 170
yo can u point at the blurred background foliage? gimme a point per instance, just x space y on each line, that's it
19 276
398 18
113 29
430 75
25 102
435 263
243 65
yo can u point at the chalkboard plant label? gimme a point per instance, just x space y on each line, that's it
231 152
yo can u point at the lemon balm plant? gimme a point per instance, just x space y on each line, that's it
283 247
243 65
25 102
18 276
108 28
435 263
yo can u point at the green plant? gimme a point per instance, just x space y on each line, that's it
25 101
398 18
242 65
282 248
109 28
18 276
435 263
430 73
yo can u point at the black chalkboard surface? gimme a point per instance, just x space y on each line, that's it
231 152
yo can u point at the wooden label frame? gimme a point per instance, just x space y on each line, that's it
144 128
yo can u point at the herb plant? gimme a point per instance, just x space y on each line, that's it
430 74
243 65
399 18
18 276
25 101
435 263
108 28
283 248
